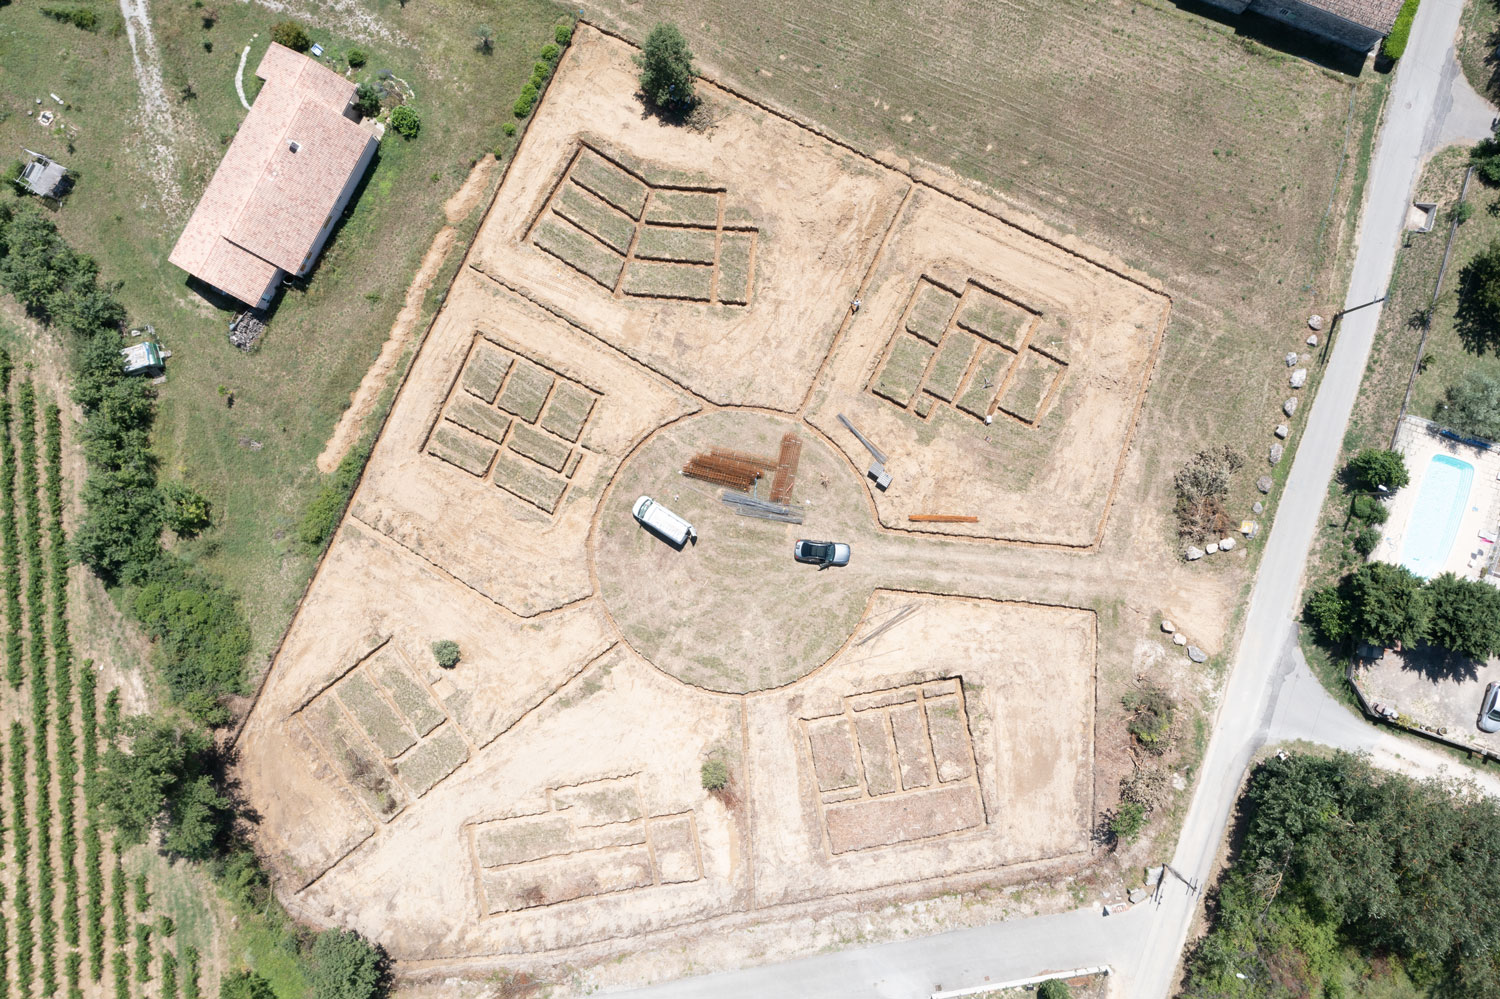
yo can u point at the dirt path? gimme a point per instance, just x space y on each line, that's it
351 425
156 112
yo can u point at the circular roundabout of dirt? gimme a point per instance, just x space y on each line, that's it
732 612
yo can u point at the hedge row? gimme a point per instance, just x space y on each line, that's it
93 847
25 932
8 534
143 952
75 975
1394 45
121 934
4 923
190 973
62 681
201 634
168 975
36 616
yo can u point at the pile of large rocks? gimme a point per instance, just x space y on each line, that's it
1194 653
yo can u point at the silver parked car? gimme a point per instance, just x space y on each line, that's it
1489 708
821 553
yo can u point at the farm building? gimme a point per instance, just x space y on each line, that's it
1359 24
43 177
285 180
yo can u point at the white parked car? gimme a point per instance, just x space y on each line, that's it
663 522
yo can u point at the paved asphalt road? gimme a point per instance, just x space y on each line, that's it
1270 696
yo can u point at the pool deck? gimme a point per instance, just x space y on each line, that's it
1418 440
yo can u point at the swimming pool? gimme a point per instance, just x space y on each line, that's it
1433 523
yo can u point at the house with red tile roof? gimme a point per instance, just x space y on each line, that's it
286 179
1359 24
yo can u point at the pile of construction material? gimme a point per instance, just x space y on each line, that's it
742 471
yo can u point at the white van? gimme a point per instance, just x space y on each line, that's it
663 521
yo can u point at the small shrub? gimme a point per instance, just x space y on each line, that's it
509 128
551 52
355 58
292 35
485 39
1148 787
1151 717
1366 539
1395 43
184 510
1054 988
366 100
447 653
526 101
1369 510
1462 212
715 775
78 17
406 121
562 34
1129 819
1201 486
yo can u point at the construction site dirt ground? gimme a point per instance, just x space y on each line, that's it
922 721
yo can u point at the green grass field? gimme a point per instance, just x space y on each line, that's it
244 429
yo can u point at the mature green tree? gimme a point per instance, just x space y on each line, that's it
1329 612
163 776
245 985
1478 320
1374 467
1390 605
666 68
1485 158
344 965
1465 616
292 35
1472 405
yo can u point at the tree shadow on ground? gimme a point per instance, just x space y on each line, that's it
1439 665
1281 37
1478 328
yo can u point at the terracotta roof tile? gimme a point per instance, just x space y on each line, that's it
1377 15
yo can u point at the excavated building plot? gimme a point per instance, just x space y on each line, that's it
639 292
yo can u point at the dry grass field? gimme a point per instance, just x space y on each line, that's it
923 720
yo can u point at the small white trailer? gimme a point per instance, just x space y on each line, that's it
664 522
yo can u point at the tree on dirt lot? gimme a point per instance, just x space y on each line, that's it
1391 606
1054 988
1373 468
292 35
1472 406
1465 616
666 68
1201 487
715 775
344 965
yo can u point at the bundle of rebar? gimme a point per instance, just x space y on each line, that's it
786 468
729 472
759 461
749 506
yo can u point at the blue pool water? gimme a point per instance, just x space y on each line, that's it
1434 520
